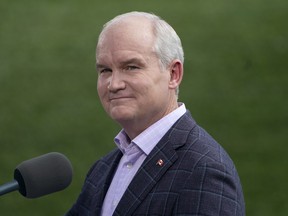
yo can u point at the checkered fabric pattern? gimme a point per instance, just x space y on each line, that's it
195 177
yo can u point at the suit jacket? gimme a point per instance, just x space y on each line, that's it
197 177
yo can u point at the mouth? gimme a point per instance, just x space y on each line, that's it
119 98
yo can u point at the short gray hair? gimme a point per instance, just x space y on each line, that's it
167 46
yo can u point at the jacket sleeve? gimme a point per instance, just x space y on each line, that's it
212 189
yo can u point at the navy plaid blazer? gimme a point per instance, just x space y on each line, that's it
197 177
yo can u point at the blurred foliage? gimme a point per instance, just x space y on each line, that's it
235 85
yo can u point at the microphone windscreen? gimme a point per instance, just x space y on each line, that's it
43 175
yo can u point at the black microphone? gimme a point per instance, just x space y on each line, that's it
40 176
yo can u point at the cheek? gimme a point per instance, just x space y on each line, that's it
99 89
102 91
101 82
147 95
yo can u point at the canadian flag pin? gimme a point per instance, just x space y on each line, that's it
160 162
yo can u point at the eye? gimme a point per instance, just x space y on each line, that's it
105 70
131 67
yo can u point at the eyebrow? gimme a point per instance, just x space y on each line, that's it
98 66
123 63
132 61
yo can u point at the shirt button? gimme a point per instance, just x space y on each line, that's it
129 165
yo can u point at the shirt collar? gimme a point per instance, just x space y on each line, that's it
148 139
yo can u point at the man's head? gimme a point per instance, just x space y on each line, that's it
139 59
167 43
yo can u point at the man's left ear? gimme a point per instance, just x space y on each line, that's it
176 73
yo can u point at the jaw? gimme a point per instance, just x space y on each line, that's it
121 110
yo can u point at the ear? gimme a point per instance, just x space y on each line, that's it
176 73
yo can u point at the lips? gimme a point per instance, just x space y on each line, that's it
119 98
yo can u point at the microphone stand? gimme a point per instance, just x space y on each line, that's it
9 187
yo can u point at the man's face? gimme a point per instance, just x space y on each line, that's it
132 86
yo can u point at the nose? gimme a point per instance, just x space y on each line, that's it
116 82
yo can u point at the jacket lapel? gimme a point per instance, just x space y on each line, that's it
155 165
108 167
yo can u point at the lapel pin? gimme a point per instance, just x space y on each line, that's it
160 162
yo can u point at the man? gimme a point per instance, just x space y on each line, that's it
165 164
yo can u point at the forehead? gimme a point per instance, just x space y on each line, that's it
131 33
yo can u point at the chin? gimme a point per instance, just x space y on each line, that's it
120 115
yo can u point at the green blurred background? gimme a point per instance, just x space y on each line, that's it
235 85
